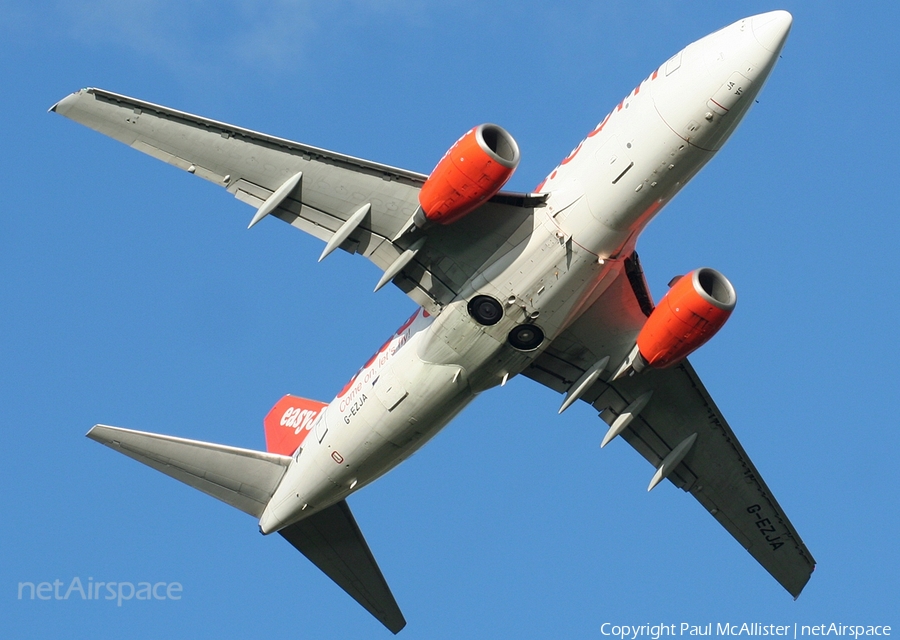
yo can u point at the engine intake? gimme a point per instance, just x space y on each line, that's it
691 313
471 172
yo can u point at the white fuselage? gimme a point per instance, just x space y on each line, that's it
601 197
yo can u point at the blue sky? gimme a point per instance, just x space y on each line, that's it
132 294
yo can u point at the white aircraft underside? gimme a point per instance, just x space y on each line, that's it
544 284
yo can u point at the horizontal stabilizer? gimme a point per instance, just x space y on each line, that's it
333 542
243 478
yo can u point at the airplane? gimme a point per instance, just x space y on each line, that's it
546 284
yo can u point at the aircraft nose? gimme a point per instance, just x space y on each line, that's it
771 29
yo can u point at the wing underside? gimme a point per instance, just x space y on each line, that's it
716 470
326 189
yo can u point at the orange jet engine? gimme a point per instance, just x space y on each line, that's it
692 311
469 174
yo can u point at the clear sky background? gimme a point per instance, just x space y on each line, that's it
132 294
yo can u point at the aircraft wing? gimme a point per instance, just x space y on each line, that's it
317 191
716 470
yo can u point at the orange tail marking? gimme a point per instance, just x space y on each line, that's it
289 422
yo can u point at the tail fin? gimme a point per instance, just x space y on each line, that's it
288 422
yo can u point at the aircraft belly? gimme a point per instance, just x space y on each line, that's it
456 339
416 424
374 429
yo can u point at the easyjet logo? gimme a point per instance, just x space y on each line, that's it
298 419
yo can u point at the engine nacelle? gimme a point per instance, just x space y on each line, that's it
692 311
470 173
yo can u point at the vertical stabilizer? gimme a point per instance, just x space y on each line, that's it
289 421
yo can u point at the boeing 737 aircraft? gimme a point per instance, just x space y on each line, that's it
544 284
